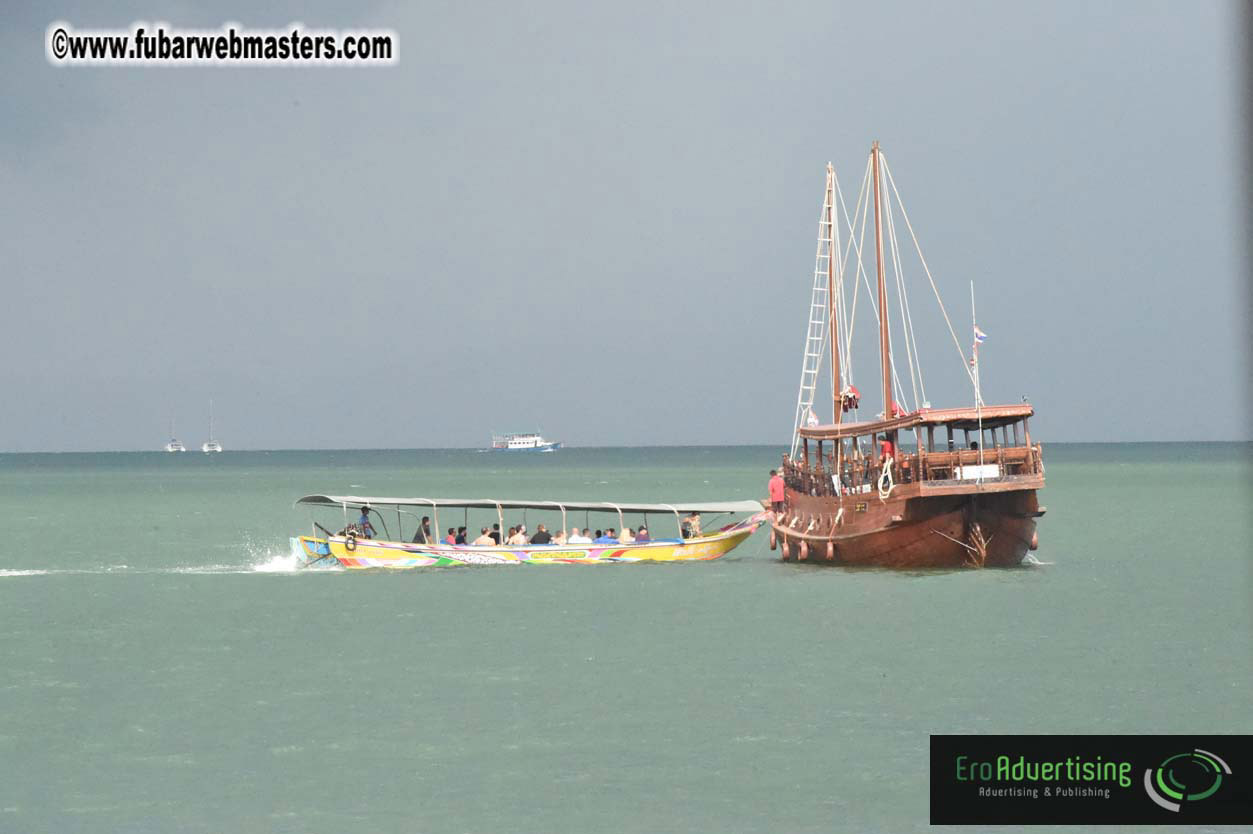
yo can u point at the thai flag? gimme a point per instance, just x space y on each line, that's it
979 335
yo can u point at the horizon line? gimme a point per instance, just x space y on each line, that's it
194 451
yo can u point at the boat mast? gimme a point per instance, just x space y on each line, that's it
884 356
836 410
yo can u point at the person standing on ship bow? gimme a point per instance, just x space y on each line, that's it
775 487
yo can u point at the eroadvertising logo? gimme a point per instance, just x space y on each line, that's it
1192 776
1052 780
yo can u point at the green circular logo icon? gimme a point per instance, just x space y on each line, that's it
1185 777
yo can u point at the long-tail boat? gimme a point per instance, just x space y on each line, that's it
924 488
384 547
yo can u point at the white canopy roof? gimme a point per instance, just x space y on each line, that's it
712 507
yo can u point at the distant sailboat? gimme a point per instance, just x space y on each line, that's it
211 445
174 445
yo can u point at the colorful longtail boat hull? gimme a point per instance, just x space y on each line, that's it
372 553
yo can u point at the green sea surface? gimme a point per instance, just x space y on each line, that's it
164 668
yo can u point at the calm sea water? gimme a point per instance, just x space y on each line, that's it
164 669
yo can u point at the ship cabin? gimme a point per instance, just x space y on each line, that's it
935 450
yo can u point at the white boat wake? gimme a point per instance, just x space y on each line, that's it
261 561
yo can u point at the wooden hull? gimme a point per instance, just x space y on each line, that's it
973 529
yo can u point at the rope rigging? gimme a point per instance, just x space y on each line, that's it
838 310
927 270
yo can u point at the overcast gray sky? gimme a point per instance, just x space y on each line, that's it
599 220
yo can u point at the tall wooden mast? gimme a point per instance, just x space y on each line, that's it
836 384
884 357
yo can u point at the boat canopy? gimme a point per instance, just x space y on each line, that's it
711 507
989 416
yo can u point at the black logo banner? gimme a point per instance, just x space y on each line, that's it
1092 780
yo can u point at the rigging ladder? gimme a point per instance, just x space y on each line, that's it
816 339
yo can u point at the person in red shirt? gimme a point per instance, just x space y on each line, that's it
775 487
887 449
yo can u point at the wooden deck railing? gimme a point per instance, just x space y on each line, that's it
862 474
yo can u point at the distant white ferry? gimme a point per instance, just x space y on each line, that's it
532 442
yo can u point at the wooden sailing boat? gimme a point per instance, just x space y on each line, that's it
899 490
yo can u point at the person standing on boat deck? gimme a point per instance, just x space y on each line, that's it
775 487
691 526
542 536
887 449
364 525
484 540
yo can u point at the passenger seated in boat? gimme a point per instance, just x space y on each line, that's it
461 536
451 538
606 538
627 536
424 534
542 536
365 529
560 538
484 540
495 534
691 526
577 537
974 445
641 535
517 536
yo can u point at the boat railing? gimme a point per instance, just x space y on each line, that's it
861 474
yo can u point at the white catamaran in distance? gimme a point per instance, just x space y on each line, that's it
211 445
174 445
530 442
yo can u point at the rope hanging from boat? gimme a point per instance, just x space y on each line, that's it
885 480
